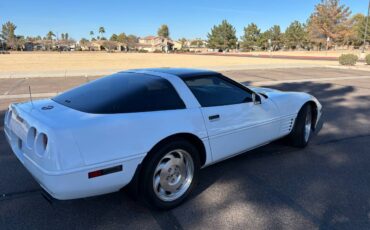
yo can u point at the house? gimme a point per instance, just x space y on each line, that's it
143 46
36 45
153 43
177 45
196 45
28 46
104 45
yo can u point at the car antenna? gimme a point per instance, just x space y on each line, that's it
29 90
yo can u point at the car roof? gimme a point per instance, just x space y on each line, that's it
179 72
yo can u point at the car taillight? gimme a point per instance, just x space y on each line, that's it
41 143
31 136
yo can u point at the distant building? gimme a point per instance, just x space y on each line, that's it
104 45
196 45
36 45
28 46
153 43
177 45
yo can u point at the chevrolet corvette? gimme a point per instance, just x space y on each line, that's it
155 128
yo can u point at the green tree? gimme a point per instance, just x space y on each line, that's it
358 30
275 36
295 35
122 38
163 31
49 38
66 36
251 37
84 42
113 38
8 34
50 35
131 41
330 20
62 36
222 36
101 31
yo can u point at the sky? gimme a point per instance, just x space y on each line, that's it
189 19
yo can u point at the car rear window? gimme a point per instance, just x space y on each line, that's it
122 93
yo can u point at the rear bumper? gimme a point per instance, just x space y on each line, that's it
73 184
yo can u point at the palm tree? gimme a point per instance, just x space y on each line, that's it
101 31
50 35
92 34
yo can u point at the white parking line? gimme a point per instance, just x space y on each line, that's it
45 95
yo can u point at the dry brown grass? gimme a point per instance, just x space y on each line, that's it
54 61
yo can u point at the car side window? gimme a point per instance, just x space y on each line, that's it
215 90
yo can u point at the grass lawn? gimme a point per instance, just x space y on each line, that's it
75 61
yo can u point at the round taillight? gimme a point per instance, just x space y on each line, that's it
41 144
31 136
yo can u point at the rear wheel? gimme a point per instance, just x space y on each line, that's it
169 174
301 133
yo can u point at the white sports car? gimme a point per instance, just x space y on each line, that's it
154 128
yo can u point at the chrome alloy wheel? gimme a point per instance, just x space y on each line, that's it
173 175
308 125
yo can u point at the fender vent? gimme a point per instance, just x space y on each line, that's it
291 124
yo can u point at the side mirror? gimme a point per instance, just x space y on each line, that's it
256 99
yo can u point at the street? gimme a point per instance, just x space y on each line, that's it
324 186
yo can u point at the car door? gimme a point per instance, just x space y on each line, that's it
234 123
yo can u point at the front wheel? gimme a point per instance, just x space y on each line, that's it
301 133
169 174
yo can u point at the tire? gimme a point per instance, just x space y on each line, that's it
301 133
169 174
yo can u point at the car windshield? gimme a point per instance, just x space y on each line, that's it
122 93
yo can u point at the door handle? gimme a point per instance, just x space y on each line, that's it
214 117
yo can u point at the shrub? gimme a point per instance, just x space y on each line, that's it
367 59
348 59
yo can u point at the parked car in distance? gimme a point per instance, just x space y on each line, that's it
154 128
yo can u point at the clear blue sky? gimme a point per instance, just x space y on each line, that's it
190 19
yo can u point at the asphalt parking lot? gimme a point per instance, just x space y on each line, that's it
324 186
